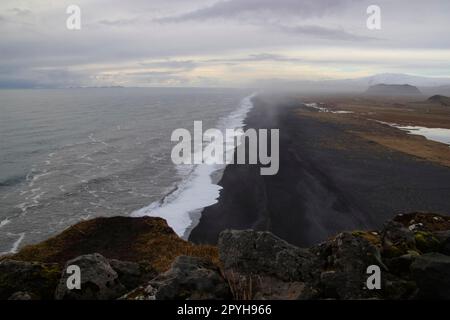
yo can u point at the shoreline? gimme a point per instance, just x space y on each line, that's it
199 189
330 181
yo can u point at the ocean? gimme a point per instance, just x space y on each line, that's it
68 155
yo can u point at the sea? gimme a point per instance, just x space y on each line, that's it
68 155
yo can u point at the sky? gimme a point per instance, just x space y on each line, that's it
215 43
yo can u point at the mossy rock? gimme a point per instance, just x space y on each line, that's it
394 251
38 279
400 265
146 240
371 236
426 241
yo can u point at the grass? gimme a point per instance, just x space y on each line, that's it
145 240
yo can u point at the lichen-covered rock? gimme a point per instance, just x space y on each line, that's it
250 252
189 278
444 240
396 239
132 274
401 265
39 280
431 272
426 241
99 281
347 258
420 221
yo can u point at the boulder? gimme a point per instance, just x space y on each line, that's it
39 280
346 259
396 239
250 252
420 221
189 278
259 265
431 272
99 281
426 241
401 265
444 239
132 274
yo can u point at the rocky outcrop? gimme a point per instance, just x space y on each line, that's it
410 253
189 278
344 263
260 265
147 240
260 253
33 280
431 272
99 281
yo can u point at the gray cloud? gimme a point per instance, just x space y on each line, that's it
119 22
255 58
323 33
171 64
269 13
211 41
20 12
254 8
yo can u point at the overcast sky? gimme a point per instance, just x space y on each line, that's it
217 43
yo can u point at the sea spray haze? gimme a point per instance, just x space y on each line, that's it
74 154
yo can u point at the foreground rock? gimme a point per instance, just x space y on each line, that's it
431 272
260 265
21 280
345 260
145 240
411 254
99 281
188 278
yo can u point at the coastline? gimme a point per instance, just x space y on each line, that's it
182 207
330 181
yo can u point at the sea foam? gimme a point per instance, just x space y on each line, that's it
198 189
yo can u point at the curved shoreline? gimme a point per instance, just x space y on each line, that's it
182 208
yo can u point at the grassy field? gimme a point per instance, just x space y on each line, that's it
368 113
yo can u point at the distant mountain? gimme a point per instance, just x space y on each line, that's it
428 85
393 90
438 99
399 78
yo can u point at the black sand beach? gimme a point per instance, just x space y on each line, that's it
329 181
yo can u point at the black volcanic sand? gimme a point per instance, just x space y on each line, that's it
320 190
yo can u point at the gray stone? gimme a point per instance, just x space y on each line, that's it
347 257
99 281
131 274
396 240
431 272
37 279
251 252
188 278
444 238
